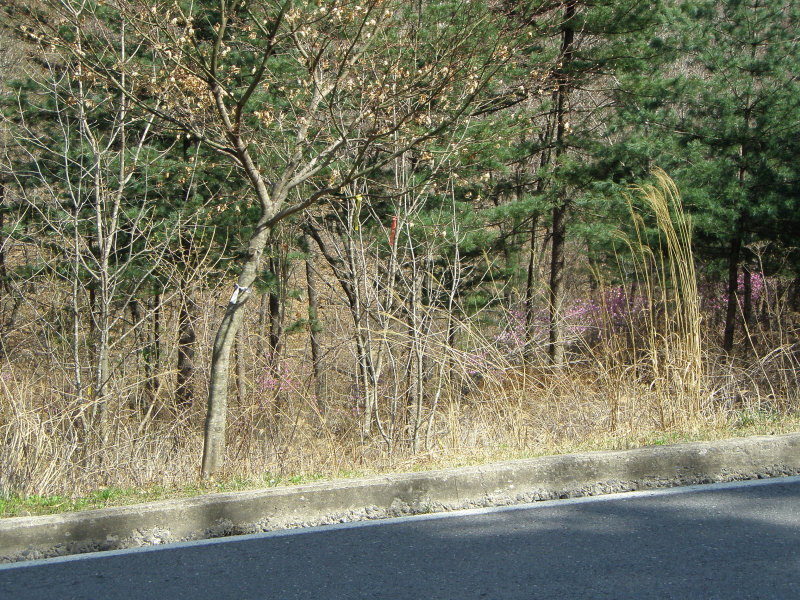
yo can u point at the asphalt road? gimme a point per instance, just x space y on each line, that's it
716 541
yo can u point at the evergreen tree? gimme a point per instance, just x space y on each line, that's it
598 42
722 118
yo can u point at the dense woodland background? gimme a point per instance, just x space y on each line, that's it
313 237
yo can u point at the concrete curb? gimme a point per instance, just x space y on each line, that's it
503 483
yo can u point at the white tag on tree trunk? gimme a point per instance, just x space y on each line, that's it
236 289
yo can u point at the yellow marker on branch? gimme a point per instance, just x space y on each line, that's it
358 211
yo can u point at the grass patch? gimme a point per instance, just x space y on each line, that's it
743 423
18 506
35 505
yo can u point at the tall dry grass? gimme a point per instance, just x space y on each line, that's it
664 268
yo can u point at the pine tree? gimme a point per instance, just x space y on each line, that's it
598 42
733 113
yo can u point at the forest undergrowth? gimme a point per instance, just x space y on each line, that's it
644 366
251 244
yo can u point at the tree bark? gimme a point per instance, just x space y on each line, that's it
153 354
734 255
241 383
216 416
187 338
314 325
263 338
530 313
276 324
560 209
214 439
142 342
556 347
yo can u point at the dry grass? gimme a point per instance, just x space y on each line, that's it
45 450
658 379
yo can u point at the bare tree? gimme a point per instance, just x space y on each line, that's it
76 165
314 324
302 99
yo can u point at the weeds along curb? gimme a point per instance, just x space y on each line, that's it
504 483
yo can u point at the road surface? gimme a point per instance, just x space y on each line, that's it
717 541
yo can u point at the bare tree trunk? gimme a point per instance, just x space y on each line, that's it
142 342
276 325
276 300
530 310
241 382
560 209
365 368
102 378
556 347
106 234
187 339
216 416
314 325
152 362
263 339
546 139
416 351
76 314
734 255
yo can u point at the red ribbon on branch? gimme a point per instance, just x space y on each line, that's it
394 229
